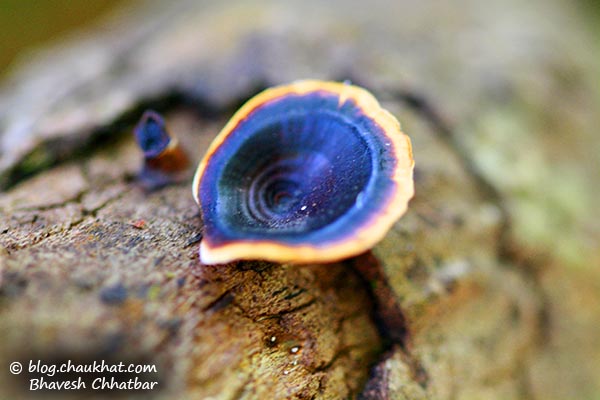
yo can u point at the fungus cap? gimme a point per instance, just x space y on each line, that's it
164 158
312 171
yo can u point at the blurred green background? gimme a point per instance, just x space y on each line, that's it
32 23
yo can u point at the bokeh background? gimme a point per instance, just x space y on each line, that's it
29 24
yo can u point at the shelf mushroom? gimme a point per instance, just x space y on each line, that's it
312 171
164 159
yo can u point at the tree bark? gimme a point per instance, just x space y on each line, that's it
485 289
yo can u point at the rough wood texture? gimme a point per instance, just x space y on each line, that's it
488 288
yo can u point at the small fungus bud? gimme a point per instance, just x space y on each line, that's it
164 159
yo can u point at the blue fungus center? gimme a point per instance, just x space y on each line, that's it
294 175
151 135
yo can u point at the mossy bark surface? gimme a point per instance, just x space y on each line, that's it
487 288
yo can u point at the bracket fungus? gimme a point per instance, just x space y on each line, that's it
164 158
312 171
